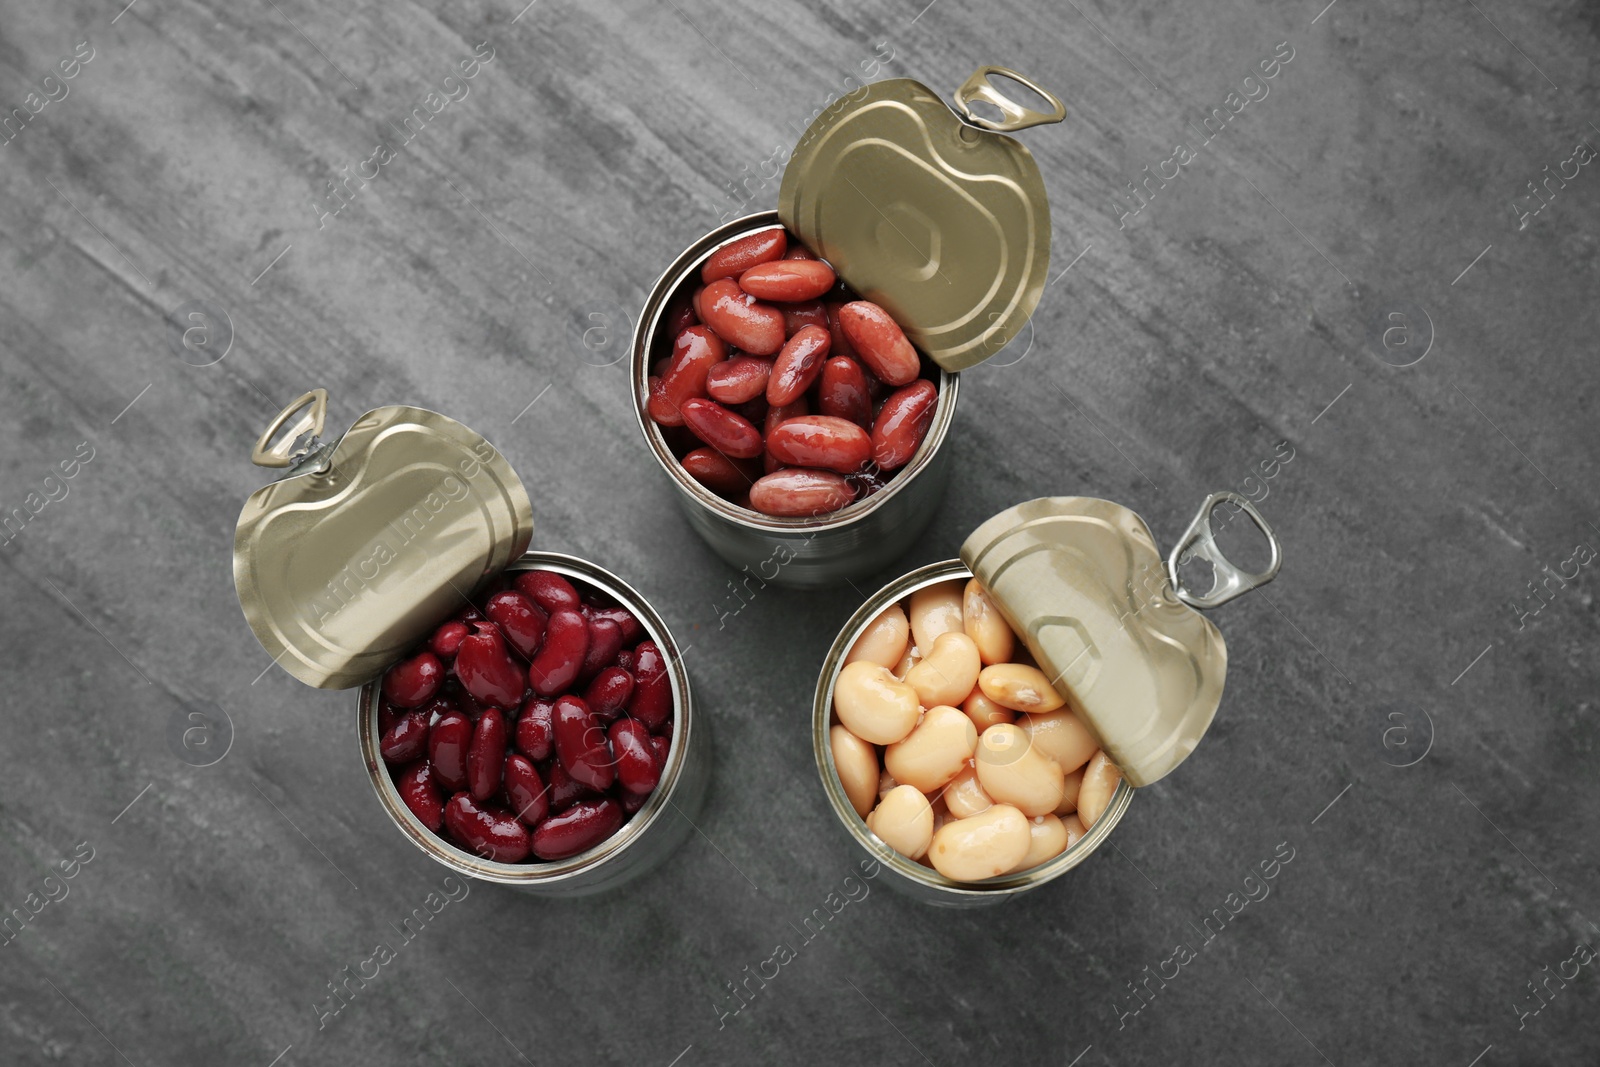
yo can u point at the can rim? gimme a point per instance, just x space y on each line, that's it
822 719
556 871
666 286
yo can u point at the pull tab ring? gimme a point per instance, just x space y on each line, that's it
1017 117
284 453
1228 581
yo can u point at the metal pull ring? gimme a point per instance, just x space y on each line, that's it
1228 581
284 453
1017 117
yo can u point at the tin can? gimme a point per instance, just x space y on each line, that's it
1081 584
370 542
930 212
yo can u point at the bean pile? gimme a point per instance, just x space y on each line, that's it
533 724
983 769
783 393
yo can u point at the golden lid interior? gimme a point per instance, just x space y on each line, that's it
935 215
340 569
1082 581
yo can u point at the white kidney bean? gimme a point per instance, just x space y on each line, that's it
965 796
1074 827
984 712
1060 735
1019 687
1013 772
857 763
886 782
947 671
907 661
982 846
873 704
935 610
884 640
934 752
981 619
904 819
1069 792
1047 839
1100 780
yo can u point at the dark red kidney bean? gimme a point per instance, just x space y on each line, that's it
902 423
535 734
798 316
491 833
627 659
416 788
448 742
718 473
879 342
720 428
485 668
797 492
695 352
680 318
388 715
581 746
798 365
564 789
660 747
665 729
407 739
820 441
651 702
463 701
486 755
637 771
447 639
740 319
566 642
521 622
605 641
630 802
525 790
739 379
775 418
790 281
469 614
549 590
736 257
843 393
608 693
409 683
625 619
578 829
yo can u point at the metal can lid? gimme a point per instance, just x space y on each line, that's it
930 212
368 542
1111 624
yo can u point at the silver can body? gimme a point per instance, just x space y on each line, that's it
650 834
802 553
905 875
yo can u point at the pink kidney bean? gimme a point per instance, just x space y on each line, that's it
578 829
844 393
795 492
720 428
530 801
519 619
486 754
420 795
902 424
485 668
566 642
811 313
490 833
719 473
736 257
608 693
820 441
651 702
789 281
740 319
636 766
411 682
739 379
880 342
447 750
581 746
798 364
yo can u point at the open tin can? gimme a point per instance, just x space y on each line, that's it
933 214
1114 629
370 541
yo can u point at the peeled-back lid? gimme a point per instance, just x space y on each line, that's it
934 214
1111 624
348 560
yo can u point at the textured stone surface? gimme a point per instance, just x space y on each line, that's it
1224 317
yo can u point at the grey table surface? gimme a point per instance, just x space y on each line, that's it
1358 266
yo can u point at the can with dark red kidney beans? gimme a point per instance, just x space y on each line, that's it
1112 628
367 545
929 212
